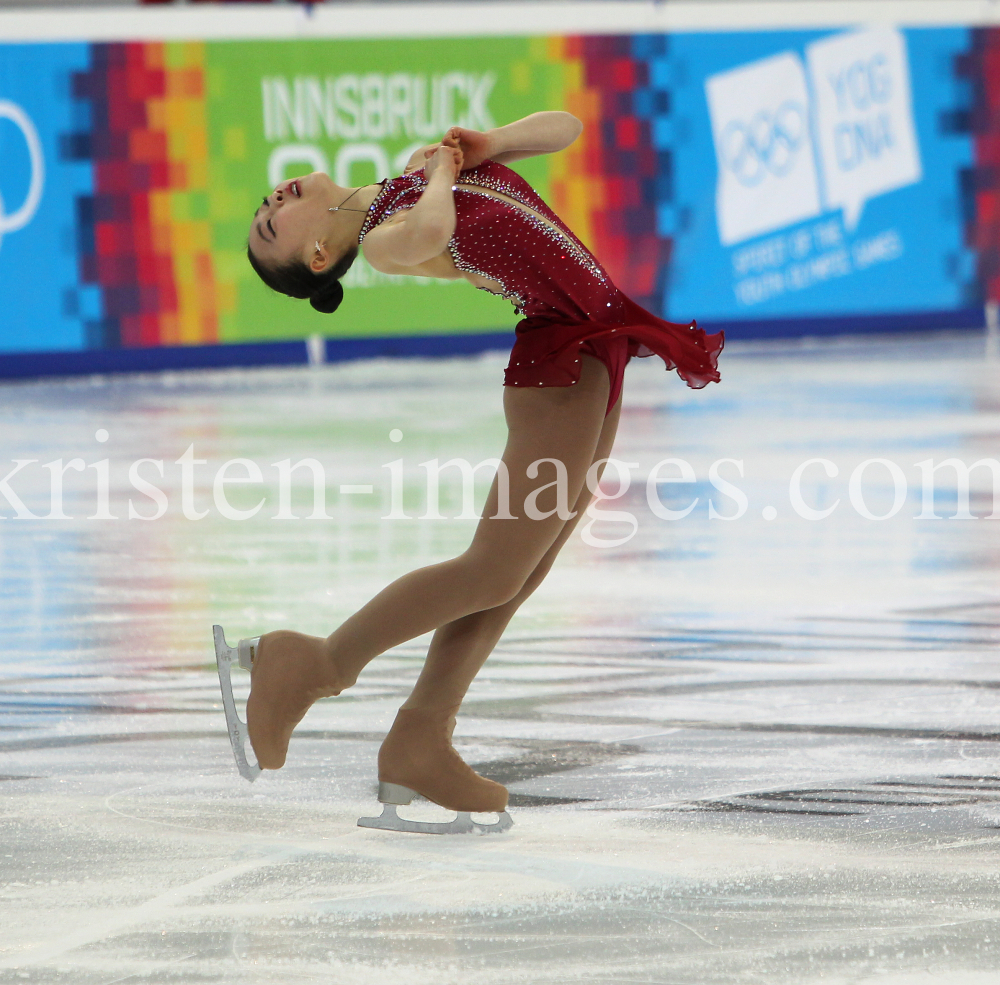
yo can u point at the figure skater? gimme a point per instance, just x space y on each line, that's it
459 211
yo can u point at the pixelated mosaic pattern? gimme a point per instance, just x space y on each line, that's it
144 238
617 179
980 186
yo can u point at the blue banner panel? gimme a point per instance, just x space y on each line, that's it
816 174
43 304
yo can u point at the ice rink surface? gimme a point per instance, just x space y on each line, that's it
744 750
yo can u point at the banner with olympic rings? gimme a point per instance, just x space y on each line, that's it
780 182
841 175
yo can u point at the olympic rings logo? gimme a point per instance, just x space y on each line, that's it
767 145
12 221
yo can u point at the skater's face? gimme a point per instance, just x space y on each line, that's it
291 220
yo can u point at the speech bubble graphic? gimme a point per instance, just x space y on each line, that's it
767 175
863 117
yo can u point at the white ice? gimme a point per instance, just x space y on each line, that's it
738 751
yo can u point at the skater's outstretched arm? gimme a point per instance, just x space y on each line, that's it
540 133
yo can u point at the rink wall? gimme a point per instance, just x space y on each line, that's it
792 174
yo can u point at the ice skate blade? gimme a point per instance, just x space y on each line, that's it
389 820
225 657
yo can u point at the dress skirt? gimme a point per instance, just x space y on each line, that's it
547 348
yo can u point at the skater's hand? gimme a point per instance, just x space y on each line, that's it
475 146
419 157
444 158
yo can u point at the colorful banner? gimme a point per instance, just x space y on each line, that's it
838 179
747 179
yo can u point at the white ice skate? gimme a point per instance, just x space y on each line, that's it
391 795
225 657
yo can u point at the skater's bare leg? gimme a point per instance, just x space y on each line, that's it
562 423
417 753
460 648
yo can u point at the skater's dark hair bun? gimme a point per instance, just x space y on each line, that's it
324 290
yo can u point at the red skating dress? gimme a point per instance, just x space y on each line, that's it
569 302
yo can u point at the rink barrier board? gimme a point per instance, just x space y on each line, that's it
40 365
33 365
790 328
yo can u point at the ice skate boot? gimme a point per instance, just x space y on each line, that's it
417 757
289 672
225 656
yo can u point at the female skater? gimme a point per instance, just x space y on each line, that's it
458 211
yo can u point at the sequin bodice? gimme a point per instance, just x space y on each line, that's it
543 269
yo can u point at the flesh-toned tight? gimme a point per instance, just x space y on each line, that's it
468 600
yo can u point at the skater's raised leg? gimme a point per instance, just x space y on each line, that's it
560 423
